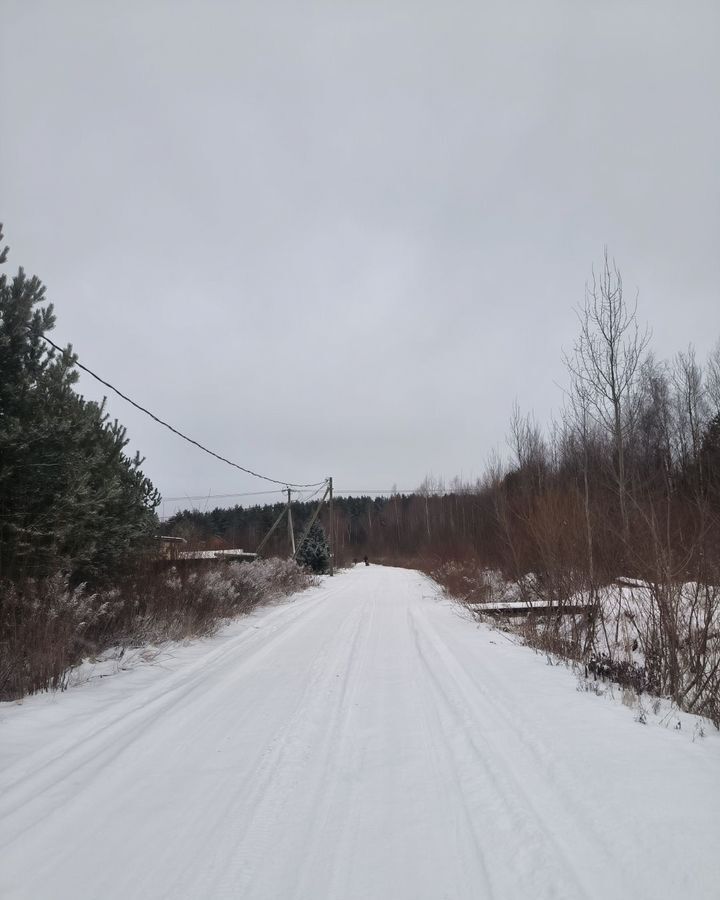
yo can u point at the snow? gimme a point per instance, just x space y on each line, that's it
524 605
366 740
213 554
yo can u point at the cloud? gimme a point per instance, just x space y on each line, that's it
342 238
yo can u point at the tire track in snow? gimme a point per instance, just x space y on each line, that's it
318 846
438 749
499 791
92 748
298 752
491 692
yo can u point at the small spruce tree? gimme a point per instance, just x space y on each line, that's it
315 550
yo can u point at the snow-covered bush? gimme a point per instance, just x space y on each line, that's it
660 638
44 625
266 579
47 626
466 580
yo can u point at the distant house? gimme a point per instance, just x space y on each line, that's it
173 551
228 555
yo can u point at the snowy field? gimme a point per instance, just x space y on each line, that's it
365 740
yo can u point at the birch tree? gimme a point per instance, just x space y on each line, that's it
605 365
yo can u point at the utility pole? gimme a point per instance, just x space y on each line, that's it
272 529
332 529
290 525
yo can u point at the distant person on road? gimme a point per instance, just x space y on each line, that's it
367 562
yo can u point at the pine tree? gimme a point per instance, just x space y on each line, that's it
70 498
315 551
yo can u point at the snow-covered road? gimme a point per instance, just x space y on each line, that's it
365 740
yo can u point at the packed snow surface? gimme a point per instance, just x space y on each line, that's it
364 740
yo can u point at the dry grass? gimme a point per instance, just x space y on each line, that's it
47 627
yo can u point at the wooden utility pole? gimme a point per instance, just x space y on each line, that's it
332 529
290 525
272 529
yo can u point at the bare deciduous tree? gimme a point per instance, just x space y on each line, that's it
606 362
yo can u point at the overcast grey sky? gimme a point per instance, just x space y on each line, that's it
341 238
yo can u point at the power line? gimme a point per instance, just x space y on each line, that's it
314 494
302 498
222 496
358 492
369 491
306 499
191 497
171 428
355 491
